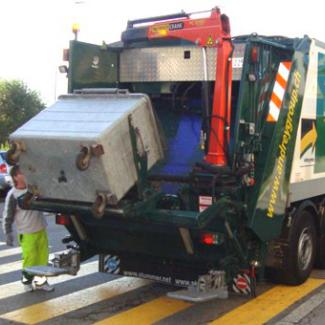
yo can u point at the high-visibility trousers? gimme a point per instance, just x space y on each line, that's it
35 250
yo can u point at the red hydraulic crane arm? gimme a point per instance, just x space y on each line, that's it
219 136
203 31
213 31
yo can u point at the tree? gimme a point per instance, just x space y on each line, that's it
17 105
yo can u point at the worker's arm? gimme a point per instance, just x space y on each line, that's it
9 217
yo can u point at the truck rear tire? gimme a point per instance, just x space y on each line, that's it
301 252
320 259
300 255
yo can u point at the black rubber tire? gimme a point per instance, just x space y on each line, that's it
292 272
320 258
302 238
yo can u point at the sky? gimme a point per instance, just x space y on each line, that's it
33 33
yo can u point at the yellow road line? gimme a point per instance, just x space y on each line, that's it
16 288
147 313
61 305
268 305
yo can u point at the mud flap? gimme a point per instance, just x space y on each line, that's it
244 283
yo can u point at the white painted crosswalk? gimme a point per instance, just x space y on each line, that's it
10 252
15 288
50 308
92 292
12 266
67 303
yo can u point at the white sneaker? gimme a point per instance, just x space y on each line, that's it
44 286
28 287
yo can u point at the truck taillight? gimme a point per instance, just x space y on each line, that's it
211 238
3 169
254 54
61 219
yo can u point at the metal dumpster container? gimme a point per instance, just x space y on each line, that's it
93 127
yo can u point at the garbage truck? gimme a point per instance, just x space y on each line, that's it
186 156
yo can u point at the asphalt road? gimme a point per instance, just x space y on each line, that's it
92 297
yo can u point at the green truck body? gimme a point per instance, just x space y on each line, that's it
262 214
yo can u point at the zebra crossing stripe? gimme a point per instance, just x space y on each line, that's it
278 93
10 252
49 309
148 313
16 288
10 267
13 266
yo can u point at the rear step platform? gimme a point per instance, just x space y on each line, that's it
199 296
66 262
209 286
47 271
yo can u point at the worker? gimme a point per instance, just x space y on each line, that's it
32 234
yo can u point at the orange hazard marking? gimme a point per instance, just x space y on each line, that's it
282 82
270 118
287 64
276 100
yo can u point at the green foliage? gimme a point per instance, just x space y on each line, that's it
4 147
17 105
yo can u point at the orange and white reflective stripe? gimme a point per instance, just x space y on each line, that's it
278 91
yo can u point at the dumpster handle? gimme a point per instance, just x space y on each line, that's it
99 205
16 148
83 158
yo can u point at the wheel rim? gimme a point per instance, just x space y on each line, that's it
305 249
